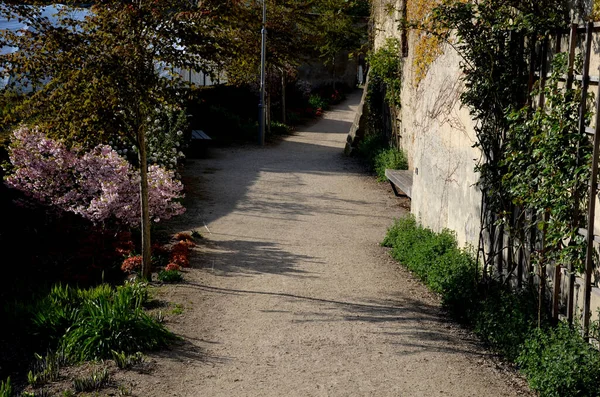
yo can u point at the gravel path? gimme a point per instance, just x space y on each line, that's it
291 294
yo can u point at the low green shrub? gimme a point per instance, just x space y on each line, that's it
170 276
558 362
390 158
88 324
317 102
379 156
278 128
117 323
369 147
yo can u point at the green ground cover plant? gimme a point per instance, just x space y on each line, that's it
89 324
379 156
557 361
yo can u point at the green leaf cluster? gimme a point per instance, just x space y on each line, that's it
557 361
89 324
386 65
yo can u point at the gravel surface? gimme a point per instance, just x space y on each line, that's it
290 293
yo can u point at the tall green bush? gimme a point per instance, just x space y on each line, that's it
556 361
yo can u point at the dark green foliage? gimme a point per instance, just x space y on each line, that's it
378 156
504 318
317 102
386 65
116 323
88 324
280 129
6 388
369 147
170 276
390 158
558 362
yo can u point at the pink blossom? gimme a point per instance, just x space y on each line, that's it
98 185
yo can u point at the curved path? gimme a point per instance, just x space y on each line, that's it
292 295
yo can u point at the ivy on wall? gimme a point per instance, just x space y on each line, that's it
386 68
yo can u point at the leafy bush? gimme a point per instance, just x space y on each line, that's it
386 64
89 324
504 319
116 323
390 158
369 147
559 362
317 102
170 276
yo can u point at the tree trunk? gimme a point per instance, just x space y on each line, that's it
283 110
145 212
269 114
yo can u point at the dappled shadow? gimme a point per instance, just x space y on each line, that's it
185 351
219 184
244 257
411 325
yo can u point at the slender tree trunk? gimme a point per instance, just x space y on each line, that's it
145 212
283 109
269 113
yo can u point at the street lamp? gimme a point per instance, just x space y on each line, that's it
263 58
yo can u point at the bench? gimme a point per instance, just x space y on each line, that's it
400 180
199 144
198 135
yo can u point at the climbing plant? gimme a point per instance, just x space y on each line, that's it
494 38
548 164
386 65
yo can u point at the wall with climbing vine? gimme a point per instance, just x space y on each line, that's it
486 154
434 130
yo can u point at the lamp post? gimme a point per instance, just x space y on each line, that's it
263 59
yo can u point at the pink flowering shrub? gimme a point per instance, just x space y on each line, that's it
98 185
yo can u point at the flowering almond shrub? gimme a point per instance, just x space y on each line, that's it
99 184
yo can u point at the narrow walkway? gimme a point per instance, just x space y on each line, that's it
292 294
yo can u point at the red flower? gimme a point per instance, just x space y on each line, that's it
132 264
172 266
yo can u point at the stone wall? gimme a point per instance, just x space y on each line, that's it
437 135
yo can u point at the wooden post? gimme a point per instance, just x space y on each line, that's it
283 107
576 212
589 256
145 212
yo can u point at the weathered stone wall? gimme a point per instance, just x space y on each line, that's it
437 135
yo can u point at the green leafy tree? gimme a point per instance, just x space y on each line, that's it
103 76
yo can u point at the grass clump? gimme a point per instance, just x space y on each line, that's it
557 361
6 389
96 380
170 276
379 156
88 324
127 361
390 158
